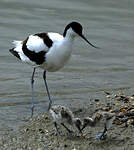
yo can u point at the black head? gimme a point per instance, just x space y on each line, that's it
77 28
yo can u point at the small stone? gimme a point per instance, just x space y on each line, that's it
117 122
65 145
130 121
14 139
98 116
132 110
127 137
131 98
107 108
117 104
96 100
112 111
126 107
108 96
45 116
123 110
121 115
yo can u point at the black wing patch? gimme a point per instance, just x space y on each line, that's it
14 53
38 58
48 42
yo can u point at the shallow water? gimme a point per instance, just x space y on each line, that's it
107 24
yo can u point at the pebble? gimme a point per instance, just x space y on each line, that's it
132 110
96 100
121 115
108 96
131 98
130 121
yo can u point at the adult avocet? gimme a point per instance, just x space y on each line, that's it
49 51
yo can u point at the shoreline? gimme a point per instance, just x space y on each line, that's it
39 133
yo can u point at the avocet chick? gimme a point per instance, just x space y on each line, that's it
100 117
61 115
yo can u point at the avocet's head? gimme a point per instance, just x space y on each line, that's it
75 29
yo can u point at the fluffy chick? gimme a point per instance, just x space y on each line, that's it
100 117
62 115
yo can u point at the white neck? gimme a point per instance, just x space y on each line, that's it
68 40
70 35
61 53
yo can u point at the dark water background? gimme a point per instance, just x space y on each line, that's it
108 24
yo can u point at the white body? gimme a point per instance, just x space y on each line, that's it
57 55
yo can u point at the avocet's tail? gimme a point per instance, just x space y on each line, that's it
17 50
14 53
17 43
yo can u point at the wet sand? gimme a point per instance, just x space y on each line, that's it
39 133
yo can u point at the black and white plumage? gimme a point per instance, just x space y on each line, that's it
63 115
100 117
49 51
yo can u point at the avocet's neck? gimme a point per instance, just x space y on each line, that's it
60 53
70 35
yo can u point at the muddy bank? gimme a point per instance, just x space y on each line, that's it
39 133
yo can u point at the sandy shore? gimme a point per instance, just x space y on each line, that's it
39 133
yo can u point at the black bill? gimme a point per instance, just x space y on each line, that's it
88 41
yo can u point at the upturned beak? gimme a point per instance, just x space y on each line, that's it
88 41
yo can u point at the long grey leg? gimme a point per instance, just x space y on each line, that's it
32 87
59 133
50 101
69 131
100 136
